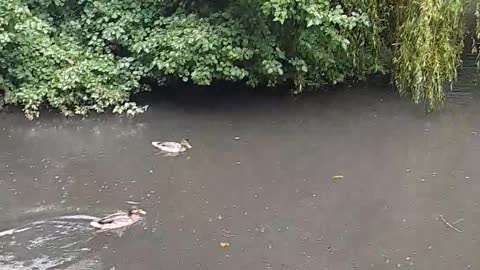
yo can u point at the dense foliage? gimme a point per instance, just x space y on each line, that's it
84 55
430 40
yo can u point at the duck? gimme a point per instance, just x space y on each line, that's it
118 220
173 147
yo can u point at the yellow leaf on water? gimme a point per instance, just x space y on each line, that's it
337 177
224 244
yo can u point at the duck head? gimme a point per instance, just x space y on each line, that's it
137 213
185 143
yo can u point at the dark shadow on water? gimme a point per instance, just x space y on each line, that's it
227 97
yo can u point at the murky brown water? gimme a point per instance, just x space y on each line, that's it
269 192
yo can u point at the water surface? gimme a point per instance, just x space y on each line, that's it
259 176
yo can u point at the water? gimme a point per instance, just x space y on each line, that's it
46 244
259 177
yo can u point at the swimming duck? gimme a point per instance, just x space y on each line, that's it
118 220
173 147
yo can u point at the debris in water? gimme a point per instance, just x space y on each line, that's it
227 234
452 226
224 244
132 202
337 177
458 221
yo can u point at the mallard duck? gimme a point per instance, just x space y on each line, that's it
118 220
173 147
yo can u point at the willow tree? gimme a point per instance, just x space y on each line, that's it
428 43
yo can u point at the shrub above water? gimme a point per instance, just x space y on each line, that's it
92 55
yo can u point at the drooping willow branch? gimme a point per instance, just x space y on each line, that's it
429 41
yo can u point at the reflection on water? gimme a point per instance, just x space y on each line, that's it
46 244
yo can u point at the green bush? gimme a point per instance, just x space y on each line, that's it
41 65
92 55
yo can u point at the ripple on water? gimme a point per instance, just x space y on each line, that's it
57 242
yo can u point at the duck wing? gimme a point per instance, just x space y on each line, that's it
167 146
121 216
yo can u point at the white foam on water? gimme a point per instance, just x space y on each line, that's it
81 217
52 243
7 232
22 230
12 231
40 209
